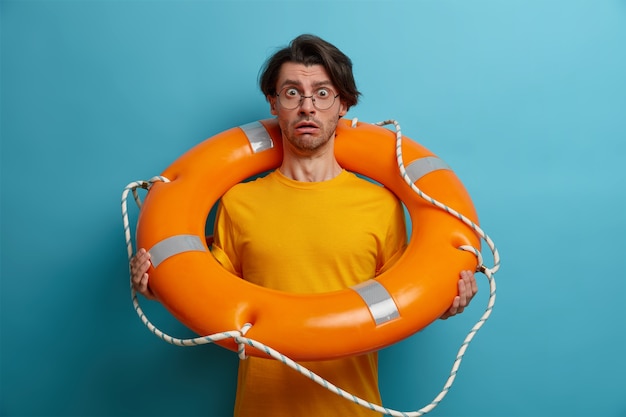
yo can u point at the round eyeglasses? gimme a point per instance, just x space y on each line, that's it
322 98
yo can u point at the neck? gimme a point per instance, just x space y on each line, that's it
310 172
310 168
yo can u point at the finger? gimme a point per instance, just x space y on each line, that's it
135 266
140 263
462 293
140 282
141 271
134 263
143 282
470 284
454 308
142 256
144 289
473 284
466 276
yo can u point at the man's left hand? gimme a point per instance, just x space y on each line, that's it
467 291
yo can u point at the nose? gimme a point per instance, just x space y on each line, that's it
306 104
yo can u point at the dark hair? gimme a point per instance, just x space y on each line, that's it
312 50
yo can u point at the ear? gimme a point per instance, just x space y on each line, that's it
343 108
272 100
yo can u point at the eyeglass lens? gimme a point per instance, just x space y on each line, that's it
322 98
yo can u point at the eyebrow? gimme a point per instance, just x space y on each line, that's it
298 83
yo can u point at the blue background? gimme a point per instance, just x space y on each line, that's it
526 100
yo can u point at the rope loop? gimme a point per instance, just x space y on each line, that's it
146 185
132 187
480 267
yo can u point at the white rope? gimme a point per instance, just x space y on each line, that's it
238 335
132 187
436 203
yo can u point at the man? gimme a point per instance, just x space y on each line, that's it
309 226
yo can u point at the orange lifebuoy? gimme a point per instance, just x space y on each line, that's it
413 293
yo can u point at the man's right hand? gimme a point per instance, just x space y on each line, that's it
139 265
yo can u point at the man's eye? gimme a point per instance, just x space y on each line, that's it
323 93
291 92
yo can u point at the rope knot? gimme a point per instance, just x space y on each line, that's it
241 341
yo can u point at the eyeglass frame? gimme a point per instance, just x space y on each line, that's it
302 97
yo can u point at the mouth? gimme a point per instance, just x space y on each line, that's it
305 127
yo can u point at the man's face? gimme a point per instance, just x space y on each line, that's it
306 128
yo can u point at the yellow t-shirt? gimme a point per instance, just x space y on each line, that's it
307 237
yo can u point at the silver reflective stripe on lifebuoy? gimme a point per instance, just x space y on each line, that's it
258 136
422 166
378 300
173 246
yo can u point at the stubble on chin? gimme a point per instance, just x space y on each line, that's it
309 143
